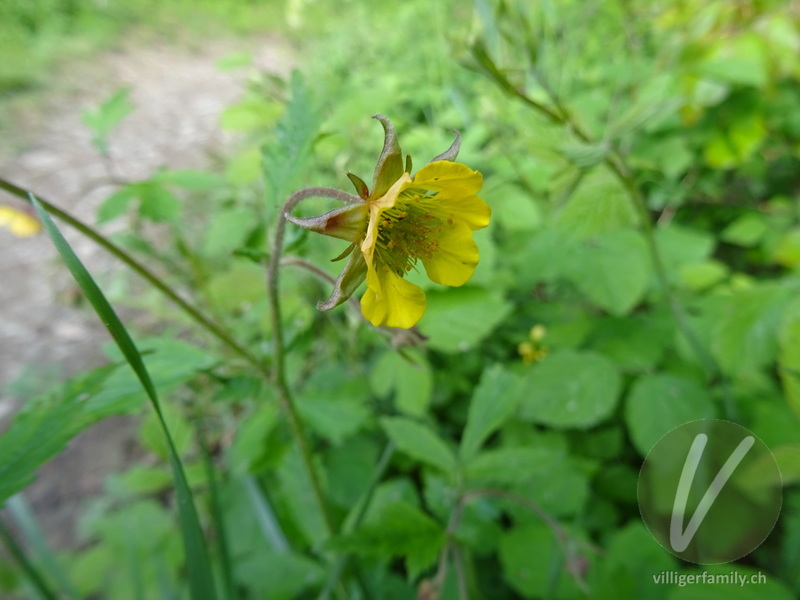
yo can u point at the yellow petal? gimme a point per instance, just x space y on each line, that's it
18 223
471 210
456 258
454 177
391 300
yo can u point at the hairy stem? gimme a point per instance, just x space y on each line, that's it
278 373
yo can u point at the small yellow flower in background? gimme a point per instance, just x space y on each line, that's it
19 223
532 350
404 220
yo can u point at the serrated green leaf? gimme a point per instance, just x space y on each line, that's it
42 428
493 402
170 362
287 155
398 529
570 389
420 442
658 403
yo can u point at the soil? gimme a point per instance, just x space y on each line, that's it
45 335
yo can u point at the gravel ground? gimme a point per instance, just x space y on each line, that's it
179 95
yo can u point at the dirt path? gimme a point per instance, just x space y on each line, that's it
179 95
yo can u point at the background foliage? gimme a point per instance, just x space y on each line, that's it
641 270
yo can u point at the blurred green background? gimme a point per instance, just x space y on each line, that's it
641 271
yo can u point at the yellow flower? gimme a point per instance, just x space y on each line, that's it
19 223
405 220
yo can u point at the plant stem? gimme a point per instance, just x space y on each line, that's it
278 349
195 313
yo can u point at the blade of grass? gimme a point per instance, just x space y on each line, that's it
215 505
26 521
34 577
201 582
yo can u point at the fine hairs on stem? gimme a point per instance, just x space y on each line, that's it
278 373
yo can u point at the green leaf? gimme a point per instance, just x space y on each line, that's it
600 204
735 144
201 583
745 334
419 442
170 363
570 389
746 231
157 203
336 417
701 276
546 475
107 116
333 403
286 156
493 402
787 250
117 203
152 437
277 575
298 497
584 156
514 208
658 403
739 60
789 356
250 115
42 428
411 383
228 230
612 271
626 570
544 577
457 319
398 529
680 245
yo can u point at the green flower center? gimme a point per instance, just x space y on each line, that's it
409 231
